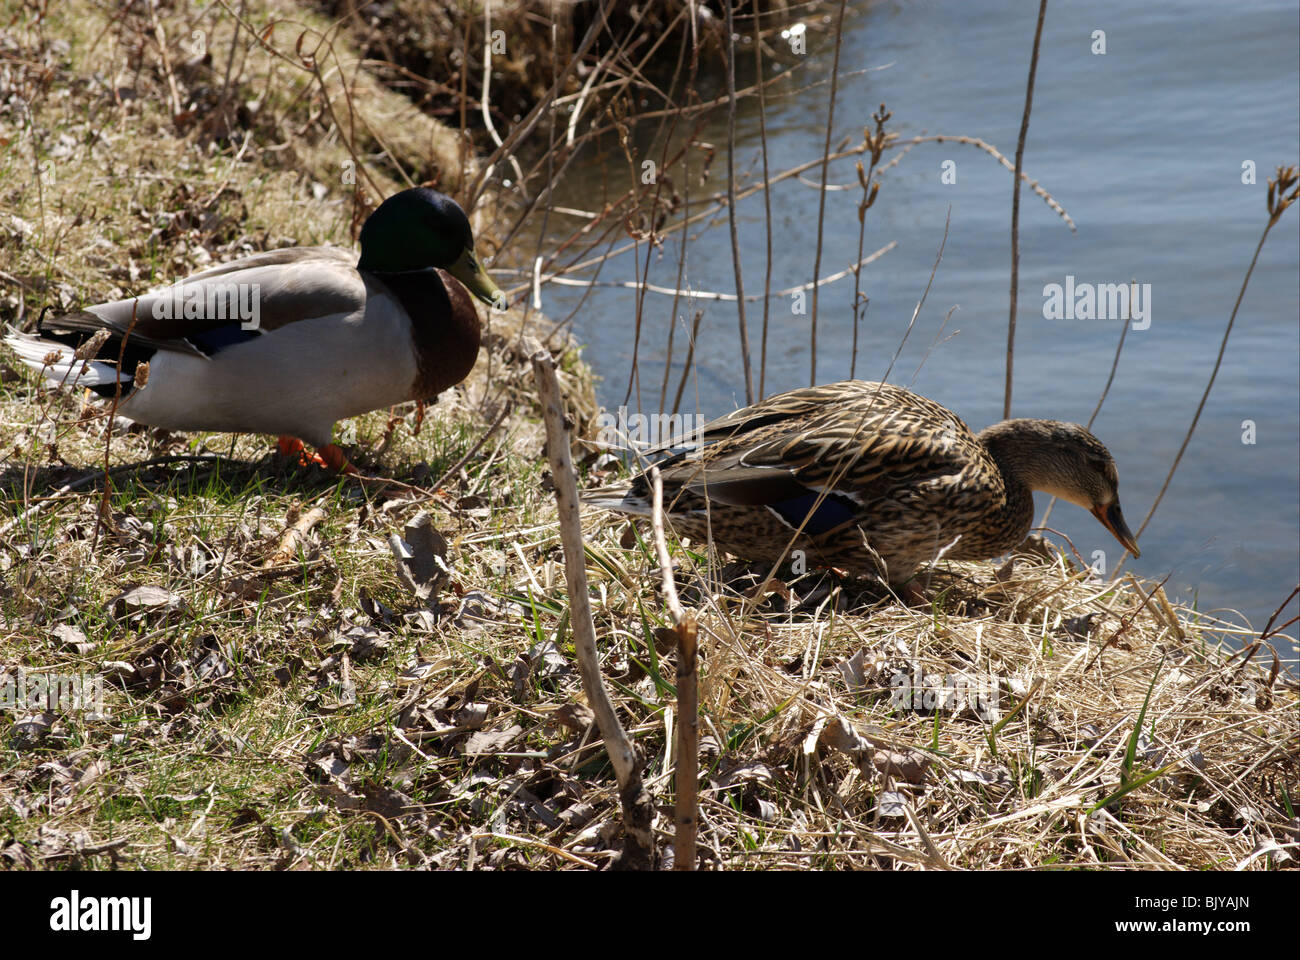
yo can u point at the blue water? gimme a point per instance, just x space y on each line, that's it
1143 146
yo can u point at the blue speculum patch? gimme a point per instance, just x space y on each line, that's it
217 339
833 511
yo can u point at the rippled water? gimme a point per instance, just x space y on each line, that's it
1144 147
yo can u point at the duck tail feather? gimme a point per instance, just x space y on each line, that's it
59 363
617 499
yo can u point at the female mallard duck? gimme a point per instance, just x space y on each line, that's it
864 476
289 341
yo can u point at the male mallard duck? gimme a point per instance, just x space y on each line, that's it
289 341
861 468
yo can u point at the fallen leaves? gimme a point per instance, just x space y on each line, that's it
146 604
72 638
488 742
421 559
479 612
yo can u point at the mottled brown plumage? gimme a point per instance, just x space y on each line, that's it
873 479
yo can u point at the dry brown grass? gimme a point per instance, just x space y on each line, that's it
316 714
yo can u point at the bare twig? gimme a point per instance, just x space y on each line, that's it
1278 201
1268 630
713 204
686 635
639 848
1015 208
642 286
293 536
731 205
1128 621
821 196
876 141
486 98
690 359
525 126
767 202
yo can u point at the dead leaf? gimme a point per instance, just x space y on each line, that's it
385 801
145 601
985 776
1078 628
576 716
16 854
547 661
72 638
909 766
491 741
30 731
421 558
892 804
361 642
518 675
480 611
1036 545
330 768
751 771
858 671
577 816
838 734
471 716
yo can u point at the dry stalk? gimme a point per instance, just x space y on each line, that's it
1015 207
486 99
821 196
293 536
714 204
1278 201
525 126
644 287
104 511
161 38
870 188
685 634
767 202
638 848
731 204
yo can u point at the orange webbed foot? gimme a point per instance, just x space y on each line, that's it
287 446
328 456
333 457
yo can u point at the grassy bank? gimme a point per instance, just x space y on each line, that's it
276 695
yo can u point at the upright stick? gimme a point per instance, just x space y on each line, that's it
1015 209
638 845
684 632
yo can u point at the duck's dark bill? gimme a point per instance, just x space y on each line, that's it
1113 520
470 272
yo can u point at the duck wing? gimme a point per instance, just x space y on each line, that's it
825 453
228 304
